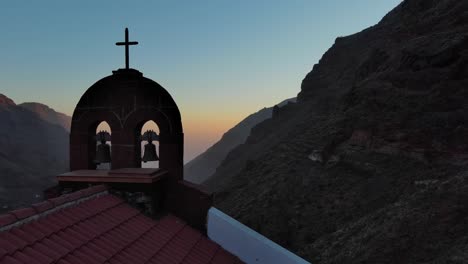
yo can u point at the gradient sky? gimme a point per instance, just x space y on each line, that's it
220 60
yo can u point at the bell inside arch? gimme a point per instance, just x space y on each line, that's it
103 153
150 149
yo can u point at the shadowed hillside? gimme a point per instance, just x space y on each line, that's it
204 165
48 114
370 166
32 152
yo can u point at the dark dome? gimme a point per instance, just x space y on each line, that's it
127 97
122 88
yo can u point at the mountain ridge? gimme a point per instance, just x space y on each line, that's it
32 152
48 114
4 100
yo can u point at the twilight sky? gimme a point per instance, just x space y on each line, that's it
220 60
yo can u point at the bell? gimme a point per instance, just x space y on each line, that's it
150 149
103 153
150 153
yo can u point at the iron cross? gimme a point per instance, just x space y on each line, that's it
126 44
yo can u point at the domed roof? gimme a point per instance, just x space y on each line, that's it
127 92
124 88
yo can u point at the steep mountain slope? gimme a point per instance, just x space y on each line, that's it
370 166
48 114
204 165
32 153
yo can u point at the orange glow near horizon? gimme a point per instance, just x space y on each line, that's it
202 132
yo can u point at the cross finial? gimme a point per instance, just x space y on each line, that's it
126 44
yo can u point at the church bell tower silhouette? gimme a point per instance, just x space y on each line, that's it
126 100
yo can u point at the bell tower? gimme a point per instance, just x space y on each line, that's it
126 100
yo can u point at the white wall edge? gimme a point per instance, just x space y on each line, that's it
245 243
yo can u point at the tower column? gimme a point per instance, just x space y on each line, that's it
171 154
123 150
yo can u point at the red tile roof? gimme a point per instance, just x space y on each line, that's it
92 226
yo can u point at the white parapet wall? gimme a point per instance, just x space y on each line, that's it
248 245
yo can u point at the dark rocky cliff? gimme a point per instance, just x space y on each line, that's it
32 152
370 166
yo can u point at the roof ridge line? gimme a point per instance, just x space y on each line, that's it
25 215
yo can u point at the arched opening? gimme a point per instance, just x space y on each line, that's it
149 129
103 153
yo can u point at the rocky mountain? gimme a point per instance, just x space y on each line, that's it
5 101
370 165
32 152
204 165
48 114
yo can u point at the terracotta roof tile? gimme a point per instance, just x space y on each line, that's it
45 227
7 219
28 237
3 252
25 258
34 232
23 213
42 206
7 246
96 227
14 241
223 257
72 259
202 252
10 260
63 261
76 195
101 244
37 255
51 249
59 200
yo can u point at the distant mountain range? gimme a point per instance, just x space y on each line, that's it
204 165
34 143
48 114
